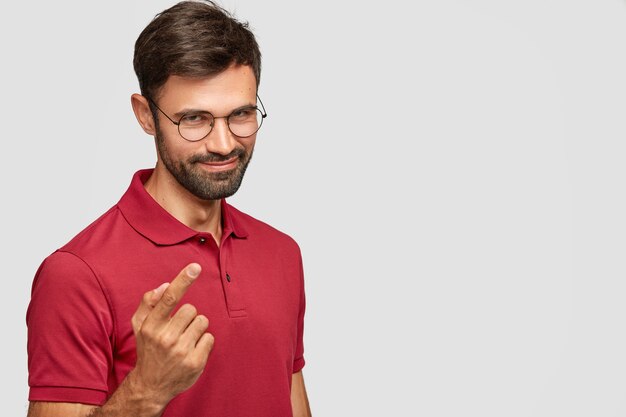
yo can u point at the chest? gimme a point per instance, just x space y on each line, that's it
250 296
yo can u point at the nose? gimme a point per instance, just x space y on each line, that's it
220 140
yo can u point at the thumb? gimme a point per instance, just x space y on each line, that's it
149 300
157 293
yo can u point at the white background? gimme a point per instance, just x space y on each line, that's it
453 171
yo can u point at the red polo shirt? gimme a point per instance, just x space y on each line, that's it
80 340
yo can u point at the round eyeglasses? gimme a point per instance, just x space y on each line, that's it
243 122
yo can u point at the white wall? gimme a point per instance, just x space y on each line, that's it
452 170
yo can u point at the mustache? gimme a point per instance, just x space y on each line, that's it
215 157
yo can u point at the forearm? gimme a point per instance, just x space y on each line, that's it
299 399
130 399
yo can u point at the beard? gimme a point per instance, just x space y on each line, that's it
202 184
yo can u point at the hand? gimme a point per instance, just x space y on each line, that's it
172 350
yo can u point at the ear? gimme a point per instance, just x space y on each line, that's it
141 108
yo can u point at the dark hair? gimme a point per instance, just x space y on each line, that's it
192 39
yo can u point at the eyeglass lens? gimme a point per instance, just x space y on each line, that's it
242 123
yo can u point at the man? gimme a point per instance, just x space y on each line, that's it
108 336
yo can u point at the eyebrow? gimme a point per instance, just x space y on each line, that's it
192 110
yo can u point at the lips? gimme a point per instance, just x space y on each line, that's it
216 166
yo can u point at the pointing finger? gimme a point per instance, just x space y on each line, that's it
175 291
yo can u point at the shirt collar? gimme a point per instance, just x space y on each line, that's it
153 222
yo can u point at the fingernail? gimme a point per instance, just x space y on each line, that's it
193 270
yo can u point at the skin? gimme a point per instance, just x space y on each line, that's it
172 350
220 94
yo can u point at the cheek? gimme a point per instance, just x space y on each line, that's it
175 149
249 144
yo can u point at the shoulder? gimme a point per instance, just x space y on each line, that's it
101 233
62 269
65 285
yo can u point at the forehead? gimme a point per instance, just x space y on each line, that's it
231 88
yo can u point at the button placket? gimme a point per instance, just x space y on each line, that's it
234 302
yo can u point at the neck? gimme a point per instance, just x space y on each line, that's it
193 212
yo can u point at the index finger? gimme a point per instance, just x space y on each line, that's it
175 291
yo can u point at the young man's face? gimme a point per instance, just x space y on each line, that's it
211 168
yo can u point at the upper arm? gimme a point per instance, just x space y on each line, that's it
49 409
299 361
70 333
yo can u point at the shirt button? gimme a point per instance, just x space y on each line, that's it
202 240
227 277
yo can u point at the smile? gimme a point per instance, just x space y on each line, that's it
220 166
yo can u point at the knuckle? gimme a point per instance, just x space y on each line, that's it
179 352
145 332
168 341
169 299
185 279
192 363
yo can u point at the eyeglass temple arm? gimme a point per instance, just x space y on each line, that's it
264 114
159 109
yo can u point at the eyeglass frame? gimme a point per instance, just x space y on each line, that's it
262 110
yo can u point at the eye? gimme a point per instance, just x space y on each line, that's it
195 119
243 114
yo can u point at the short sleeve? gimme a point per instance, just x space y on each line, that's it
298 362
70 333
